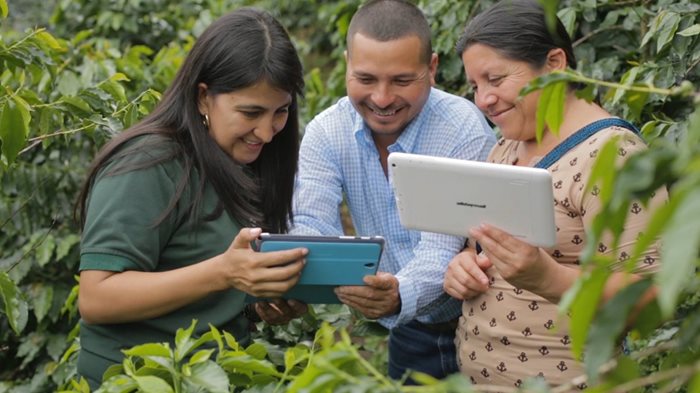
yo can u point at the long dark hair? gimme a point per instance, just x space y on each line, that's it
517 29
235 52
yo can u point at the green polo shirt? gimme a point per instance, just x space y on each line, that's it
120 234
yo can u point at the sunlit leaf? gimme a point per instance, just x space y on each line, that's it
257 351
48 39
201 356
150 349
152 384
690 31
209 376
3 8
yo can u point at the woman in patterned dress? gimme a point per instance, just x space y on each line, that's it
510 329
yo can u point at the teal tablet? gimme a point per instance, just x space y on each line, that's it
332 261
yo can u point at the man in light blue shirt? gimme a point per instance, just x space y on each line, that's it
391 107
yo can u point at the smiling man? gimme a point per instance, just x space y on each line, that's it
391 106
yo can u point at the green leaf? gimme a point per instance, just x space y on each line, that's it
608 326
42 299
627 80
16 308
13 130
679 251
201 356
257 351
694 385
209 376
48 39
690 31
550 108
3 8
668 29
78 103
44 250
585 306
153 384
636 101
65 245
150 349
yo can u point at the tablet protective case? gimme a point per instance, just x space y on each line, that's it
331 261
449 195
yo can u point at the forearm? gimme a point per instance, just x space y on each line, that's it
107 297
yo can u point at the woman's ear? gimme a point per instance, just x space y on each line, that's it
556 60
202 99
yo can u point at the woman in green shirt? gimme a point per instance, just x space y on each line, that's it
171 205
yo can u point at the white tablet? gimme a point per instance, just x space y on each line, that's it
448 195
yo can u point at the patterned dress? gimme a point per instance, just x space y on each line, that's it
508 334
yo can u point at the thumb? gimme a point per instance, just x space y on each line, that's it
245 236
483 262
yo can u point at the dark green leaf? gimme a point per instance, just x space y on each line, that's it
584 307
679 251
16 308
13 130
608 326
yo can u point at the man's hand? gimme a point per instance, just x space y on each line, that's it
280 311
379 298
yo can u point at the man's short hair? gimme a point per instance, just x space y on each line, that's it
387 20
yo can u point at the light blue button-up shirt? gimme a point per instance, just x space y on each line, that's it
338 158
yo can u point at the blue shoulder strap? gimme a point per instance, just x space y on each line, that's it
580 136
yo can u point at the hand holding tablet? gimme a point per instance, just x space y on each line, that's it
331 261
449 195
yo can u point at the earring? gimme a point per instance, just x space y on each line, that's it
205 121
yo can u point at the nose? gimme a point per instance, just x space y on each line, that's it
269 127
382 96
484 99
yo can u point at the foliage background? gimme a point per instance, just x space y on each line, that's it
75 72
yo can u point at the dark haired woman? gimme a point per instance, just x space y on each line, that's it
510 328
164 200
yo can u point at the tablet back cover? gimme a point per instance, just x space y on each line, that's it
329 264
448 195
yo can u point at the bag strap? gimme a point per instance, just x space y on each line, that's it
581 135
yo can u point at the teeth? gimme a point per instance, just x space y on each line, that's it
384 113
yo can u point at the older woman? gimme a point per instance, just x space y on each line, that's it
510 329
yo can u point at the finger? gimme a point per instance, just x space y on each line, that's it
505 239
268 314
483 262
298 307
382 280
244 237
350 290
283 257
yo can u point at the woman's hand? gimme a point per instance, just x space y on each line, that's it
261 274
465 276
521 264
280 311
